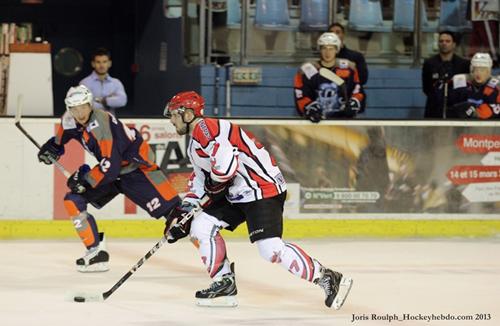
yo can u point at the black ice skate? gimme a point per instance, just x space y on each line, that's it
96 259
222 292
336 287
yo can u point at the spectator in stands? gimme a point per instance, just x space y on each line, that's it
475 95
108 92
484 15
356 57
436 73
329 87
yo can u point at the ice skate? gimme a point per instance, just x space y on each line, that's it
222 292
336 287
96 259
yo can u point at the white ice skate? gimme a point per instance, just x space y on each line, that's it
96 259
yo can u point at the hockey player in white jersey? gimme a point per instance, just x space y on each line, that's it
244 183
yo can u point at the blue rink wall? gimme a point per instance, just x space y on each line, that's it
392 93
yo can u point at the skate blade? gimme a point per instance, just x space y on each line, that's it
344 288
226 301
94 268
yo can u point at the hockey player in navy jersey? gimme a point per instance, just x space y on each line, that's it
475 95
125 165
245 184
317 97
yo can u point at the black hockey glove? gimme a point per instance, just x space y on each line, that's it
465 110
175 228
76 182
313 112
352 108
50 151
216 190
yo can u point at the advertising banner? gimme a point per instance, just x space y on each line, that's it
392 168
358 169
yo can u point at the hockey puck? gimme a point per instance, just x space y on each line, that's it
79 299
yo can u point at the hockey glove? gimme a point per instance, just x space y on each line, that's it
216 190
175 228
352 108
50 151
76 182
465 110
313 112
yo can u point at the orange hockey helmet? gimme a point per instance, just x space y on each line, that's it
185 100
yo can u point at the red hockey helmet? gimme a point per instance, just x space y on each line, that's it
185 100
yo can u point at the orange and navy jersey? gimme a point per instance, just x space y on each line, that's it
310 86
118 148
485 98
223 151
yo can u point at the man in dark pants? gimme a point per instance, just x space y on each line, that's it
436 73
354 56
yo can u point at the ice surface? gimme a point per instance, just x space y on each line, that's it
390 277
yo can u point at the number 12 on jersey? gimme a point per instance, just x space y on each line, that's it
153 204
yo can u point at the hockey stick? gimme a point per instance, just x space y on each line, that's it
86 297
330 75
17 122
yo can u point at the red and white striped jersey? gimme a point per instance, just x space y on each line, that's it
222 150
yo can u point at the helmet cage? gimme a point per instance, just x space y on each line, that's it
168 111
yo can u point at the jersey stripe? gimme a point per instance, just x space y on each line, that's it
95 176
201 153
161 184
301 103
249 184
260 164
268 189
236 139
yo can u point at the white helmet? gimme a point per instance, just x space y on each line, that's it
78 95
329 39
481 60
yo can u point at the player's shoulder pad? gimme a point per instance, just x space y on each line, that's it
309 69
98 120
493 82
459 81
345 63
206 131
67 121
